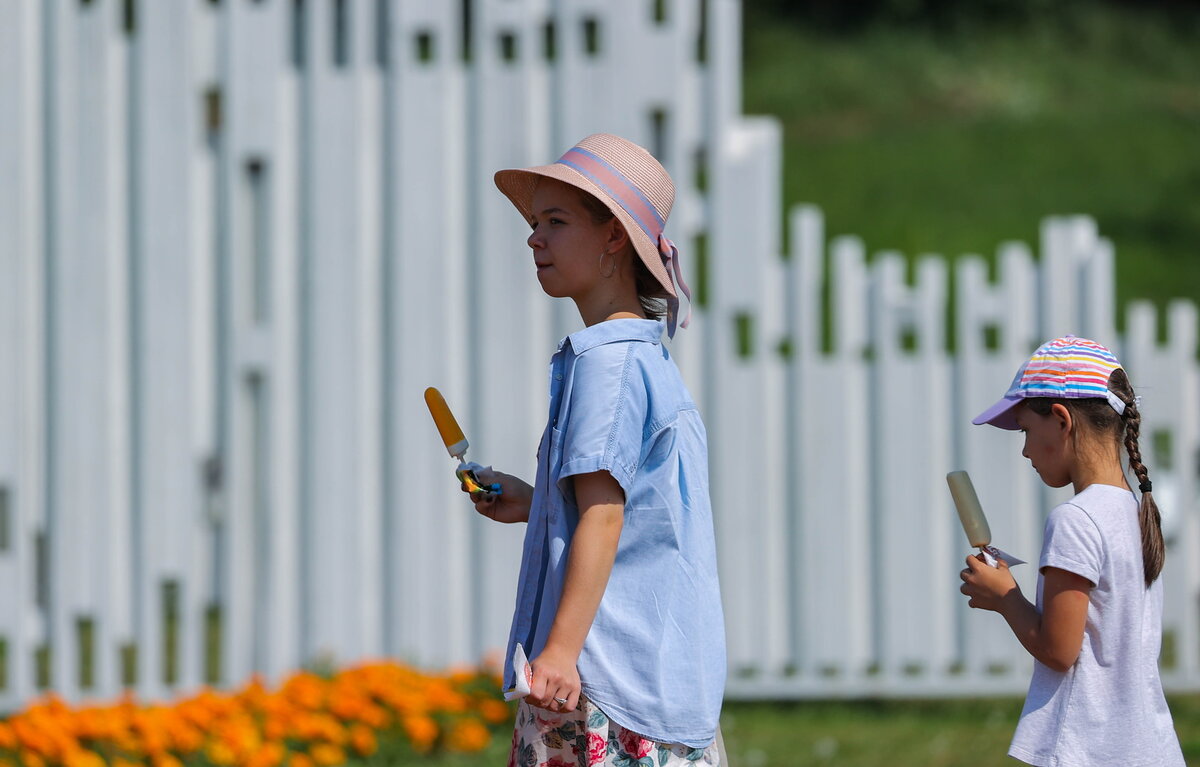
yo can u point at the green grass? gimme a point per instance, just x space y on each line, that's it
869 734
897 733
933 143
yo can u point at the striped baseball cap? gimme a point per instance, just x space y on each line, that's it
1065 368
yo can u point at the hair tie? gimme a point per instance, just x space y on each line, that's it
1145 487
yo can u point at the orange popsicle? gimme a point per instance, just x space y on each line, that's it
452 434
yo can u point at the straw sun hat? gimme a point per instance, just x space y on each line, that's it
630 183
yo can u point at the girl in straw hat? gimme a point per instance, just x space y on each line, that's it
617 604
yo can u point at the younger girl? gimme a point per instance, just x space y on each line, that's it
1095 697
617 604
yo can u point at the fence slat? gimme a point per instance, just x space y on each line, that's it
171 374
22 343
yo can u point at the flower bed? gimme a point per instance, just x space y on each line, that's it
310 720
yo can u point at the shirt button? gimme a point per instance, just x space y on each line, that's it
558 376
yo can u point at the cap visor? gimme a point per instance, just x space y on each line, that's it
1000 415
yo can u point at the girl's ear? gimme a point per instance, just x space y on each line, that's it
1062 417
618 238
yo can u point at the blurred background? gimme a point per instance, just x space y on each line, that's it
940 126
221 295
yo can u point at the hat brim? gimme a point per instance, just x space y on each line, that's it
518 185
1001 414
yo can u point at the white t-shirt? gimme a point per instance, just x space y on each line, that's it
1108 708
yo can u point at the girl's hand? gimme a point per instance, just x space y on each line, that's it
512 505
555 679
987 587
1053 637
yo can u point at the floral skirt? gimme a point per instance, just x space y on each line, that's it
586 737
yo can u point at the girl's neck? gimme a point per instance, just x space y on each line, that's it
604 308
1100 470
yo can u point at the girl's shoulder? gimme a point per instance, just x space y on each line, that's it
1101 500
1097 512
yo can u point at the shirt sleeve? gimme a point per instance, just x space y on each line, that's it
607 412
1072 542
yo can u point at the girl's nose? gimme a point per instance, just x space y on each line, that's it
535 240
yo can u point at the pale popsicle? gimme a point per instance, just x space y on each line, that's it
970 512
452 434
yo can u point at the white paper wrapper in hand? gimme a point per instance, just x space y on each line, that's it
991 555
522 675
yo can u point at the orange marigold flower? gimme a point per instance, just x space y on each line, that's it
468 735
362 740
275 728
301 760
8 738
220 753
494 711
442 697
327 754
374 716
253 691
82 758
127 742
29 737
331 729
166 760
421 730
30 759
347 705
270 755
305 689
185 736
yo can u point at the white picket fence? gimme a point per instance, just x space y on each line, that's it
238 240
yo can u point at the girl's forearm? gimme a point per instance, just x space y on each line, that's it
589 563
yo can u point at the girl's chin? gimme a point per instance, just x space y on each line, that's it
551 291
548 286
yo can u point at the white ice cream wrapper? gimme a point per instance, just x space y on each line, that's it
992 555
522 675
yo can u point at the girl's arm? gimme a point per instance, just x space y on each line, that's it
1053 636
593 550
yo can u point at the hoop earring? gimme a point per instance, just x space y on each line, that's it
612 271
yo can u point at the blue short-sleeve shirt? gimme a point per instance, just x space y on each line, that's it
654 659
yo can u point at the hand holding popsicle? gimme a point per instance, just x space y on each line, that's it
510 505
456 443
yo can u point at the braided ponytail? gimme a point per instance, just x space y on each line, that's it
1153 548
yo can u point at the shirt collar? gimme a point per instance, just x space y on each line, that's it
610 331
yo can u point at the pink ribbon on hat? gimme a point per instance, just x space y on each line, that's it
670 257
